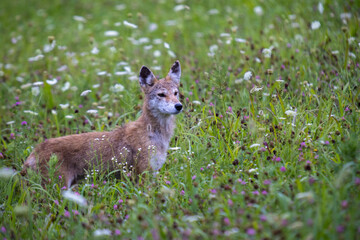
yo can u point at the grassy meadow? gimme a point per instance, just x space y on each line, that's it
267 146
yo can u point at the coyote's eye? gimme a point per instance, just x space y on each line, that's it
161 95
175 93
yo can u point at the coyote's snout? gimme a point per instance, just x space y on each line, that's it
140 145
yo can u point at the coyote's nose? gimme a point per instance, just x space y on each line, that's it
178 106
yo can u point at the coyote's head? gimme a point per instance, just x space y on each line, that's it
162 96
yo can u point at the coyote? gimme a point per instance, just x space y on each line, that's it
141 145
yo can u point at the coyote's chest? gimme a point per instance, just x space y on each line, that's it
158 150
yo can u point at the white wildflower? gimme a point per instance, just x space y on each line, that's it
111 33
290 113
62 68
65 87
248 75
166 45
102 73
315 25
19 79
49 47
53 112
101 232
10 123
64 106
213 11
79 18
95 50
258 10
153 27
69 117
180 7
51 82
35 91
71 196
130 25
117 88
267 52
171 54
84 93
255 89
92 111
255 145
240 40
320 8
6 173
252 169
196 102
345 15
38 83
36 58
157 53
31 112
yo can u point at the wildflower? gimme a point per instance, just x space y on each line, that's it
340 229
3 229
130 25
251 231
56 202
92 111
315 25
255 89
247 76
23 123
263 218
193 177
117 88
78 199
117 232
264 192
213 191
111 33
344 204
79 18
67 214
230 202
101 232
258 10
12 136
267 182
52 82
6 173
255 192
277 159
60 177
357 181
115 207
227 221
35 91
320 8
182 193
303 144
95 50
267 52
64 106
290 113
283 169
120 201
84 93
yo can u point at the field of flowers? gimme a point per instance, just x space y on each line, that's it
267 146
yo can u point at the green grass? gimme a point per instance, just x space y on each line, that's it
301 182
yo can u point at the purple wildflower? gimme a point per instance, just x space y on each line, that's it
283 169
66 213
251 231
23 123
182 193
117 232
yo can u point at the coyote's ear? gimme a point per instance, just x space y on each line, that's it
146 77
175 72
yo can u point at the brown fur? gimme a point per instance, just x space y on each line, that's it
131 144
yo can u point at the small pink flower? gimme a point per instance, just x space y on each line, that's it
201 169
264 192
66 214
251 231
344 204
75 212
115 207
60 177
230 202
283 169
168 182
255 192
213 191
182 193
227 221
278 159
193 177
23 123
120 201
63 188
117 232
267 182
263 218
3 229
56 202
